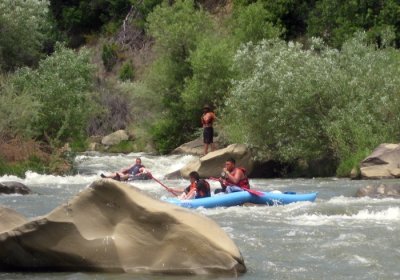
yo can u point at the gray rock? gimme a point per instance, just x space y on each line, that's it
115 138
379 191
11 187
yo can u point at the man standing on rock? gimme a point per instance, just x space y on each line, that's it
207 120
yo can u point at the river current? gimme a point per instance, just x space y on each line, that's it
336 237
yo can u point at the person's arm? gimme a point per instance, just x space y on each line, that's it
126 169
235 178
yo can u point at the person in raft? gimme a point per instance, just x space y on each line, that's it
233 178
198 188
135 171
207 120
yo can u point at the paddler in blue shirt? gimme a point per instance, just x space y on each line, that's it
135 170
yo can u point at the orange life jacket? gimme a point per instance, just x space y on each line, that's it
243 183
210 120
203 191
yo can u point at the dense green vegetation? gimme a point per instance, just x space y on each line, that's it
295 80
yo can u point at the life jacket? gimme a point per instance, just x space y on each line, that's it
134 170
202 188
210 121
243 183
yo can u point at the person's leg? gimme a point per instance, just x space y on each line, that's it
112 175
205 148
207 138
212 139
231 189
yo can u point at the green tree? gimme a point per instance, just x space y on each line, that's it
177 29
253 23
18 110
319 103
337 21
23 25
77 18
60 85
290 16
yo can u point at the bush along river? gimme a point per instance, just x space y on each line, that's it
338 236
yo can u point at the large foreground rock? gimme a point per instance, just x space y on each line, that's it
384 162
111 226
10 219
211 164
12 187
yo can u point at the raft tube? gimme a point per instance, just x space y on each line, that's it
239 198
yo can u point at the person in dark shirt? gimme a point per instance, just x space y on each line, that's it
133 172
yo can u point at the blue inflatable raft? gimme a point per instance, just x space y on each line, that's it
239 198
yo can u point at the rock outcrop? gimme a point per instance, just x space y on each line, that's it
384 162
211 164
111 226
12 187
195 147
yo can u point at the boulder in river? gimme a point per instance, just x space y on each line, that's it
195 147
211 164
112 226
12 187
384 162
379 191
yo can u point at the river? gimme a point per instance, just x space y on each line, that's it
336 237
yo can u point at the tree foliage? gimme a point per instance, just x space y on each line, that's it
23 27
77 18
60 86
337 21
177 30
316 103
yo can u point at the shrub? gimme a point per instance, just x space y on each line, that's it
126 73
109 55
60 85
113 110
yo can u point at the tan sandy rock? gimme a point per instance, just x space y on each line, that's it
111 226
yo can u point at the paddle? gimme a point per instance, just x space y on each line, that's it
168 189
257 193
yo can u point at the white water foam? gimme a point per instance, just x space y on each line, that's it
392 214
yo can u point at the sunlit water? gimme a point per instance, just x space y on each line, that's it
336 237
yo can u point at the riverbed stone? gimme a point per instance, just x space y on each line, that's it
384 162
379 191
13 187
112 226
211 164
